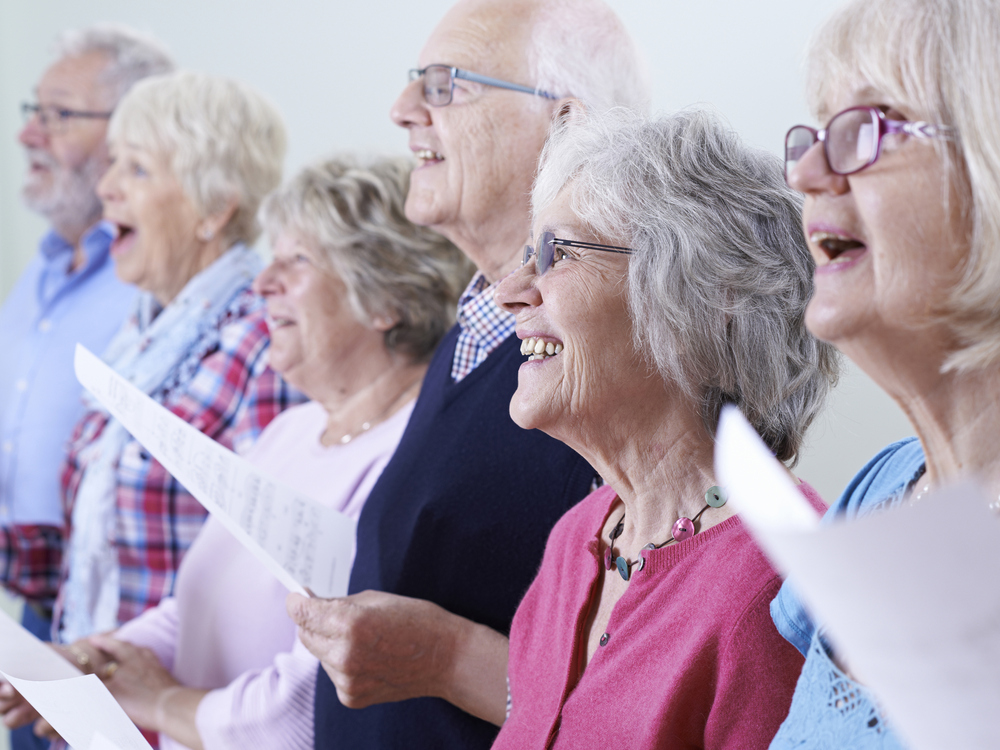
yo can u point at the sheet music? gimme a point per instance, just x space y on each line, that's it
76 705
908 596
306 545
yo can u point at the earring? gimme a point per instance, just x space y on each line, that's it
206 234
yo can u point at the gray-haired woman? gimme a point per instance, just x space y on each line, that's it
667 277
357 299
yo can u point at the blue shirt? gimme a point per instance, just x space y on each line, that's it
829 709
47 313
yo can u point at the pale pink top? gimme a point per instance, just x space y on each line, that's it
226 629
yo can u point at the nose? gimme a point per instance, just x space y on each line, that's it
812 174
33 135
517 290
410 108
266 282
107 187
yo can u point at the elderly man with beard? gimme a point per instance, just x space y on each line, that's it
443 552
68 294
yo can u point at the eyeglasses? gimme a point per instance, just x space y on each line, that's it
55 119
546 254
852 140
439 83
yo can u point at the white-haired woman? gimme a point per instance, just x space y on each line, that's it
902 215
666 278
357 299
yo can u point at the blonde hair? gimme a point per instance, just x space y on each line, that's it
352 213
942 59
224 140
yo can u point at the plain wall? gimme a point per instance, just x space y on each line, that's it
334 68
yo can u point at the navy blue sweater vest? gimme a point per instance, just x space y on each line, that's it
460 517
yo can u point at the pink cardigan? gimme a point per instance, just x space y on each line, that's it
692 659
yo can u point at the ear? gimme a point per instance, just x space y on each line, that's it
569 111
212 225
383 323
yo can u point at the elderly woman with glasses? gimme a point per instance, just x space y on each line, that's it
667 277
902 215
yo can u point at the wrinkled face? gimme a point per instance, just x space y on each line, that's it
314 331
575 321
157 247
888 248
476 156
64 166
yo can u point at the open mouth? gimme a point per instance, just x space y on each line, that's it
274 323
124 238
426 156
537 348
838 248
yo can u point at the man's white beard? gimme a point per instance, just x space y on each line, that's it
70 199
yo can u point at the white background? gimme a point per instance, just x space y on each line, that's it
334 68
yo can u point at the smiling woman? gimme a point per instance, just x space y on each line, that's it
902 214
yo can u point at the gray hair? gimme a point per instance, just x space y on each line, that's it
940 58
225 141
721 275
581 48
132 56
353 214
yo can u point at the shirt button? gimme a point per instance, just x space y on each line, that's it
604 639
44 325
22 385
8 446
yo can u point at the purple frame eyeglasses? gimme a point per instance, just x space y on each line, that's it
546 254
852 140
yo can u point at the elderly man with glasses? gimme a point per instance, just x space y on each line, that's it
67 294
443 553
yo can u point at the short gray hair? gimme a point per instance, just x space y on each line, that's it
352 213
942 58
131 55
581 48
721 275
225 141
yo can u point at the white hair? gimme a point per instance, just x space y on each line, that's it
224 140
720 276
131 55
581 48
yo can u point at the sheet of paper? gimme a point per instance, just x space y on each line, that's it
908 596
77 706
100 742
307 545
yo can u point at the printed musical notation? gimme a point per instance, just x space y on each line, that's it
306 545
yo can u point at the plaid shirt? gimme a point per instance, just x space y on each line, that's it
231 397
484 326
30 557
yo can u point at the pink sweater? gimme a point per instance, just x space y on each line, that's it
692 659
226 629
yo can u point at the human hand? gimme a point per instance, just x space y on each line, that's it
379 647
136 679
16 711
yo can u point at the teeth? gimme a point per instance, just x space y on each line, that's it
834 244
536 348
425 154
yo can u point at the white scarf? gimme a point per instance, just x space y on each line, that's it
159 354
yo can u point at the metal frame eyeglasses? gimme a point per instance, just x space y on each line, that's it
54 119
546 255
852 140
439 83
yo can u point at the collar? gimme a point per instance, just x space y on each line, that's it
479 313
96 243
